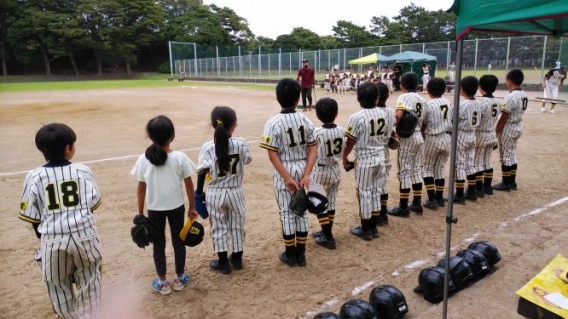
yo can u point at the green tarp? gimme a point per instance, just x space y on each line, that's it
538 17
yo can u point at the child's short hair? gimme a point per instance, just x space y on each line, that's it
383 92
469 85
436 87
288 93
409 81
367 94
516 76
488 83
52 139
326 110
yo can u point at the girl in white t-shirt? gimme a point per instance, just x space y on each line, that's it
160 172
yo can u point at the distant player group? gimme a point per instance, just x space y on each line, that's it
60 197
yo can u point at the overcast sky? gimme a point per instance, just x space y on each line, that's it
271 18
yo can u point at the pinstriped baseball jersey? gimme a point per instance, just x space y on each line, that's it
62 198
412 101
516 103
289 133
331 142
438 116
371 129
387 166
469 116
239 156
489 110
555 78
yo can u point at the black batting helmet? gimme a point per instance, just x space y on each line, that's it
488 250
327 315
388 302
476 261
407 124
459 270
431 283
357 309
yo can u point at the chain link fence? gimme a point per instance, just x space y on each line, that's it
480 56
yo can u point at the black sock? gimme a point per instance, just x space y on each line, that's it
404 196
323 220
506 177
301 239
440 188
460 186
479 181
237 255
417 192
331 216
384 202
366 224
488 177
471 179
514 173
430 188
223 257
290 243
374 219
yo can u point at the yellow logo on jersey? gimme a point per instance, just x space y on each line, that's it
23 206
266 139
349 129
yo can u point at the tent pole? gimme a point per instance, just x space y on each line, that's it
449 217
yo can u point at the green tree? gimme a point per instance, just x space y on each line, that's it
199 25
96 17
351 35
426 26
263 42
8 12
31 32
235 26
329 42
379 25
135 25
67 31
299 38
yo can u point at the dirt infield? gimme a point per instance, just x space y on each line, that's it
110 129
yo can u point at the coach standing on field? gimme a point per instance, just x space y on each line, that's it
307 74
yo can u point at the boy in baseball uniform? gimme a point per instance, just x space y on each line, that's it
292 149
436 126
326 172
410 150
553 79
467 127
486 139
367 133
509 129
58 200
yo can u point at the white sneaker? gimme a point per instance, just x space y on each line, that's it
552 111
543 110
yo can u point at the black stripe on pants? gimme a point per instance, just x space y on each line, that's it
175 218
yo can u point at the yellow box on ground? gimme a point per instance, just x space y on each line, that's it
547 290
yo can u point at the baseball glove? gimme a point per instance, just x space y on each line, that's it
393 143
142 233
200 206
299 202
349 166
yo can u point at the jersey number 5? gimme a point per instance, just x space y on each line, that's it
68 193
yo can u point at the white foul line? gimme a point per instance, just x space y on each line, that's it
417 263
119 158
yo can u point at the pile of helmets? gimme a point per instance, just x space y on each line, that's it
385 302
465 268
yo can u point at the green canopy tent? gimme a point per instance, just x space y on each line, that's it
372 58
536 17
412 62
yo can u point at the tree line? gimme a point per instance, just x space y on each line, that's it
75 33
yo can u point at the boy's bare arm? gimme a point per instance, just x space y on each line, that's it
140 196
312 156
279 167
501 122
190 197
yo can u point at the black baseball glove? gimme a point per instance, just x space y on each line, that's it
142 233
349 166
299 202
200 206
